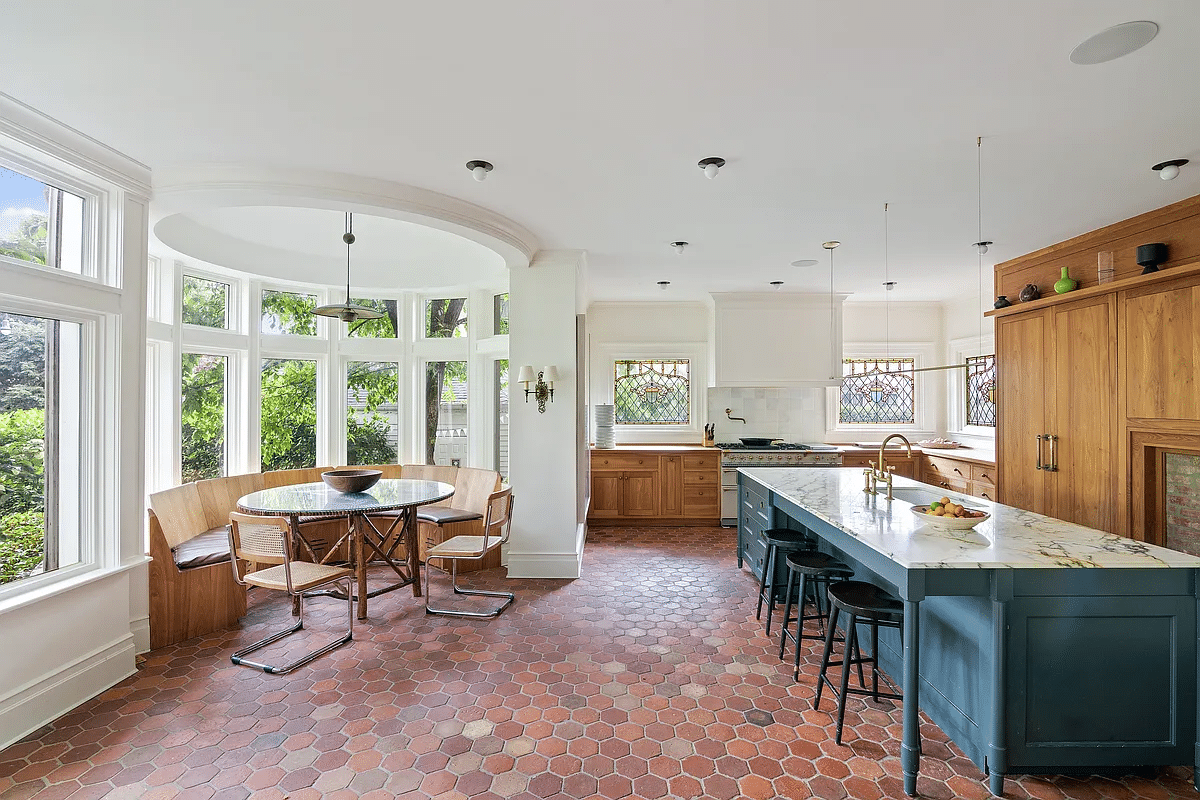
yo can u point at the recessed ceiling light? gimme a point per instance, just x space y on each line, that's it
1169 170
663 285
805 262
1119 40
479 169
679 246
889 285
711 166
775 285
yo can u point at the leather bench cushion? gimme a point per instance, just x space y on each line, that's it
210 547
441 515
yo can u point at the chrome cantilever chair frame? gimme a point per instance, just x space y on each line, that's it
465 548
280 555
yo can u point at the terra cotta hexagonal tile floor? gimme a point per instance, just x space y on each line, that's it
647 678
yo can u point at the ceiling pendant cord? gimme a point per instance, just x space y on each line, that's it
833 357
887 309
979 230
349 240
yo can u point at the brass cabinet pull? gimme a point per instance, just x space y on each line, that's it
1039 451
957 470
1053 453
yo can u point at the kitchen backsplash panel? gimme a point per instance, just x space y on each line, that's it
797 415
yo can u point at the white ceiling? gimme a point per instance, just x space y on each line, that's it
596 113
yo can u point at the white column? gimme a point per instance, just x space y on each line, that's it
544 450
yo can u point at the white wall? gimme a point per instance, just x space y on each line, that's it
547 539
69 640
650 330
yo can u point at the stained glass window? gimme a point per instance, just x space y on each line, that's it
981 390
877 391
651 392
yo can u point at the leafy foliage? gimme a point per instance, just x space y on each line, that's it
444 319
23 364
383 328
288 313
28 242
203 416
22 467
375 385
22 536
205 302
289 414
501 322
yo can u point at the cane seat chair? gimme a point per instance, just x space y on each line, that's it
496 528
268 541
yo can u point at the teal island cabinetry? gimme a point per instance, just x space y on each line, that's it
1037 645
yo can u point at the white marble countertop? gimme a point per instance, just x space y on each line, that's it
1011 538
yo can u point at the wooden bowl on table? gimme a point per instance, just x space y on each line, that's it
351 481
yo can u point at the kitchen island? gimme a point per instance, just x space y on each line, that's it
1037 645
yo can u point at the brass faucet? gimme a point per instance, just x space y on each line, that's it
883 472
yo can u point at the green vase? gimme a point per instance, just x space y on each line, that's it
1065 283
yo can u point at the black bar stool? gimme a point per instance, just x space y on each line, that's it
866 603
817 571
779 540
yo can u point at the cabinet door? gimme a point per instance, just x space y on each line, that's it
671 486
1161 326
1085 414
640 492
606 494
1021 402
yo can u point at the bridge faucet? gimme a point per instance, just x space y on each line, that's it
884 472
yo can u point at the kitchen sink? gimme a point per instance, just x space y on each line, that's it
910 494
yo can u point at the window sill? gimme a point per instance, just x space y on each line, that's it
84 576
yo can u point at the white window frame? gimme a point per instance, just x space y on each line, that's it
607 354
958 350
234 318
924 391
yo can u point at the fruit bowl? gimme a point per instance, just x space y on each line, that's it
950 523
350 481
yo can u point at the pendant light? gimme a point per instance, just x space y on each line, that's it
833 358
347 311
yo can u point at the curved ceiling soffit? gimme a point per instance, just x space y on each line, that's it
180 190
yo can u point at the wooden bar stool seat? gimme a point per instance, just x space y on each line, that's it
866 603
816 571
779 540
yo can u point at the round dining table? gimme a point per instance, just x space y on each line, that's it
393 499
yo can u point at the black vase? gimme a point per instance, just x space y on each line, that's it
1030 292
1002 302
1150 256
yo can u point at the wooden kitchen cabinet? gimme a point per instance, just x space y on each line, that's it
960 475
906 466
1057 411
648 487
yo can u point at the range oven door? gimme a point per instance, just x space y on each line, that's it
729 497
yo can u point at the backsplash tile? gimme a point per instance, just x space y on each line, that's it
797 415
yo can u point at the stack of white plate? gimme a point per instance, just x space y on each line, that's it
606 434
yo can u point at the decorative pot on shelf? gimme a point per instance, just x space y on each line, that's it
1150 256
1002 302
1030 292
1066 283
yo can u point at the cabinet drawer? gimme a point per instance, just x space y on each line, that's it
756 554
623 461
700 494
952 484
949 468
696 478
985 490
983 473
700 461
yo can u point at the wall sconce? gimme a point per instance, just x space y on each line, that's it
543 388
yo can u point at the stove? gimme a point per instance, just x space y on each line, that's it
782 454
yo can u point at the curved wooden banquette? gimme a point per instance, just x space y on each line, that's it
192 590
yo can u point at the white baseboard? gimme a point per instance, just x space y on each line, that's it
47 698
140 628
544 565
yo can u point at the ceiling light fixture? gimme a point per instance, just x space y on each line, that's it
663 285
805 262
679 246
1169 170
1115 42
347 311
479 169
776 285
833 359
711 166
982 247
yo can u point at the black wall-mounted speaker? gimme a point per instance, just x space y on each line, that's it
1151 255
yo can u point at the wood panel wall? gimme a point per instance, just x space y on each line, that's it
1176 225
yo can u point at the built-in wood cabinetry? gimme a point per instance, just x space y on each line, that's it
971 477
637 487
1056 405
1108 372
906 466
